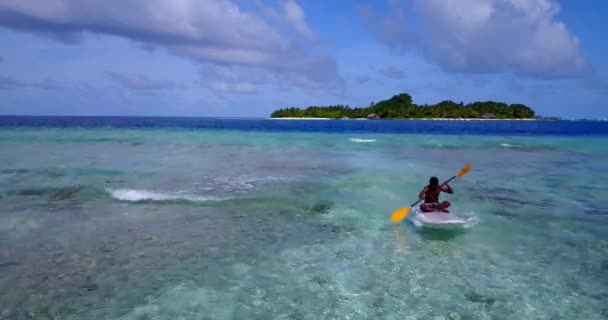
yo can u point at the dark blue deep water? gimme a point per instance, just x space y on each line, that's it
392 126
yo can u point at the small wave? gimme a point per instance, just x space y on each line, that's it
132 195
359 140
472 220
14 171
527 148
439 146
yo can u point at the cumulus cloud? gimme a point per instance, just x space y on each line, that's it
392 72
234 87
140 82
486 36
47 84
216 31
241 80
9 83
295 17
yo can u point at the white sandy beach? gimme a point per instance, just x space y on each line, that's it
425 119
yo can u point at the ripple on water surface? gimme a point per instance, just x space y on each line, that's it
189 224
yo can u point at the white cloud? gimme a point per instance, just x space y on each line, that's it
233 87
197 22
216 31
519 36
295 17
48 84
10 83
140 82
241 80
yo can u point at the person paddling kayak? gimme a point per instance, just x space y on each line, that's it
430 194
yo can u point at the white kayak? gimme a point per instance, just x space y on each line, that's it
438 220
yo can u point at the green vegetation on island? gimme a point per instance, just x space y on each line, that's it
402 107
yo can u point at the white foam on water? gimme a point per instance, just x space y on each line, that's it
18 224
133 195
506 145
471 218
243 183
359 140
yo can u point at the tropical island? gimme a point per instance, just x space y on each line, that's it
401 107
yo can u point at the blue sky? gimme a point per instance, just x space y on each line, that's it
247 58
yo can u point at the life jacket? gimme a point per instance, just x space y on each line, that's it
432 196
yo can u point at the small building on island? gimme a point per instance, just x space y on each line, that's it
373 116
488 116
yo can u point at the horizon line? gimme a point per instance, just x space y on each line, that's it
251 117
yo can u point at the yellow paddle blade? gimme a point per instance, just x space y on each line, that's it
400 214
464 170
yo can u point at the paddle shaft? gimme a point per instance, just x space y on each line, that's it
452 178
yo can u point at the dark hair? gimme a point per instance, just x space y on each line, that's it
434 181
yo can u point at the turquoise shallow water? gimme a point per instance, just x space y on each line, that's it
203 224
